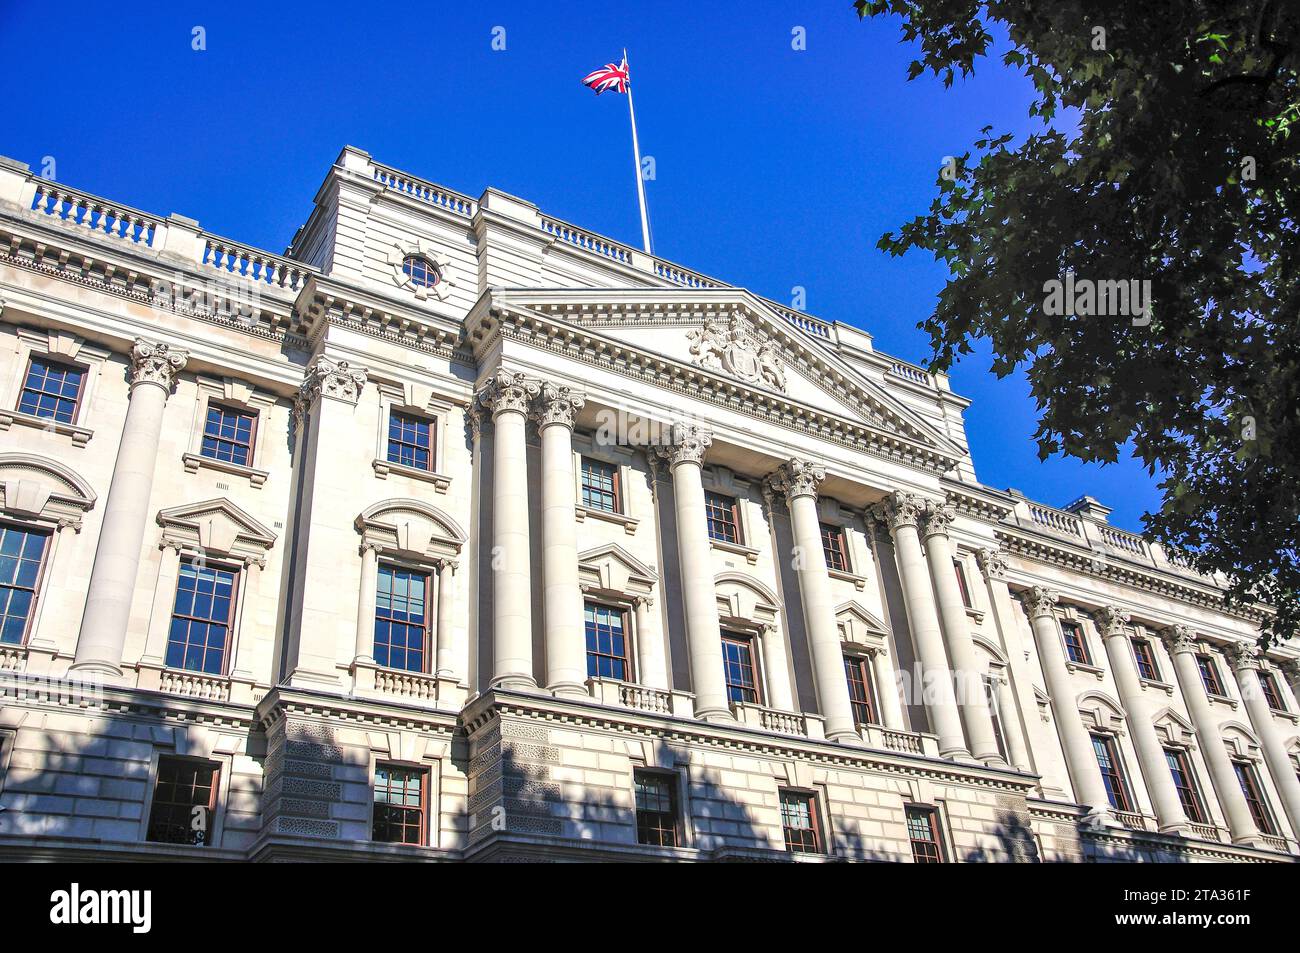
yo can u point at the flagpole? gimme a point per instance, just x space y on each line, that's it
636 154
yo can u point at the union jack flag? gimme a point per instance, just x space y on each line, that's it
609 76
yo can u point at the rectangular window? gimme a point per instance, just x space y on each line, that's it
1254 794
656 808
606 641
960 570
1180 767
22 553
202 617
1076 649
400 805
600 490
228 435
861 696
1112 772
724 521
51 390
1210 675
923 832
184 801
995 715
410 441
1269 688
1146 660
799 821
836 548
401 618
738 668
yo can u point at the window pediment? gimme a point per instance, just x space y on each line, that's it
39 488
217 526
1102 712
410 528
860 627
612 568
1173 729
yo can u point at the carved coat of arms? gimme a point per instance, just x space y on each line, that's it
736 348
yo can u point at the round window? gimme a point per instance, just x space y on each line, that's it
422 272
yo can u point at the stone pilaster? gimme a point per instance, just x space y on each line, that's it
1170 816
508 396
798 481
971 697
566 655
154 369
685 457
902 513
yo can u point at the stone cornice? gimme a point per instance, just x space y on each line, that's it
497 703
491 320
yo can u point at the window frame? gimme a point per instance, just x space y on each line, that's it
238 410
1205 660
1066 625
426 645
38 587
416 417
219 778
671 780
236 598
616 482
625 614
992 699
57 361
1119 772
841 546
735 521
963 584
1269 688
931 812
425 774
1189 793
430 267
865 669
1252 789
750 640
814 820
1145 655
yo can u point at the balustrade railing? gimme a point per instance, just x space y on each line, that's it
260 267
909 372
96 216
587 241
646 699
195 685
1056 520
425 191
408 686
1127 542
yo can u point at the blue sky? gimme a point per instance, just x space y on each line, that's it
775 168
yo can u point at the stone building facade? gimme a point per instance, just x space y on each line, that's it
458 532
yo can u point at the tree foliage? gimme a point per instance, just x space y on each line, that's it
1182 170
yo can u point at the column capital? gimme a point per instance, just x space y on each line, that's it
1111 620
1244 656
156 363
687 444
937 518
557 404
508 392
1180 638
899 509
327 377
645 599
796 478
1040 601
992 562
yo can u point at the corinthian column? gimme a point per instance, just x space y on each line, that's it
1080 759
971 697
117 559
507 395
1181 642
1245 659
798 481
901 512
1170 815
566 651
685 456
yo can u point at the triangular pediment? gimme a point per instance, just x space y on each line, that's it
217 526
736 337
611 567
